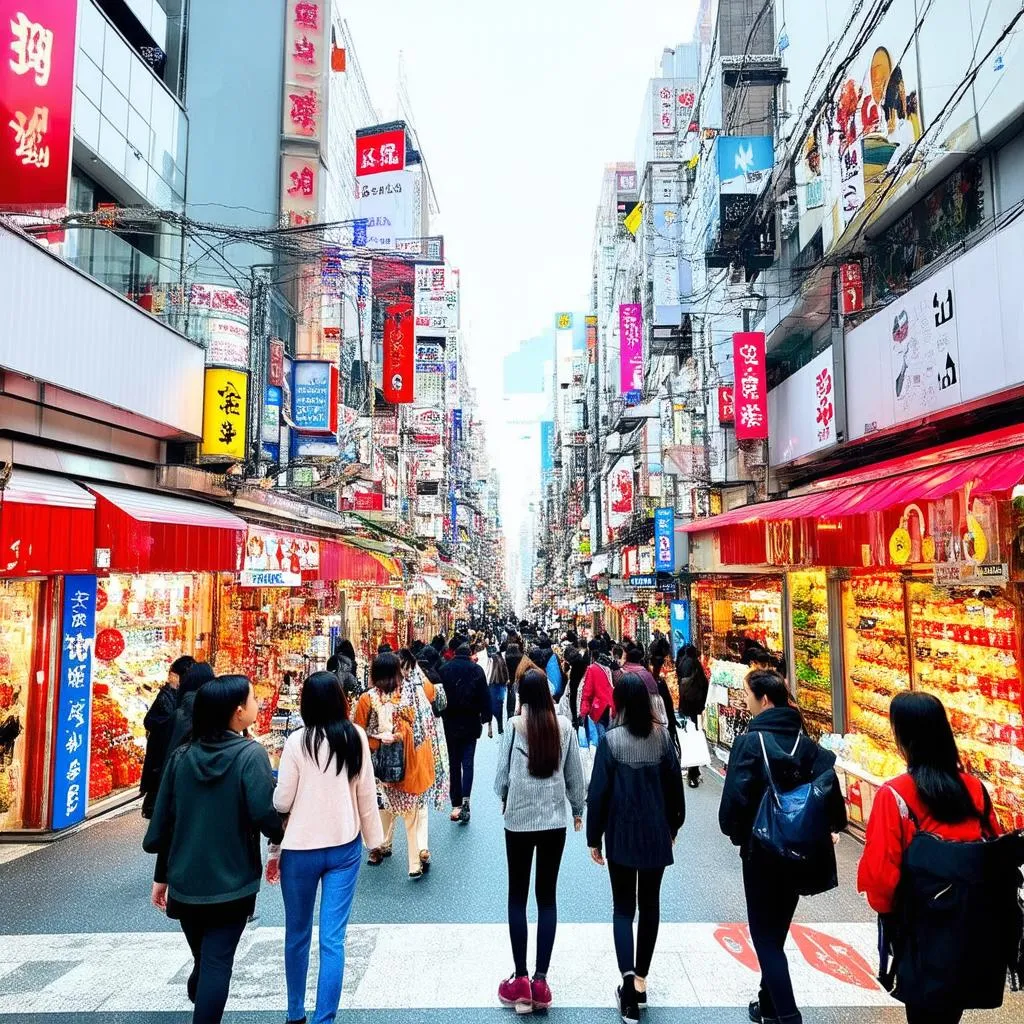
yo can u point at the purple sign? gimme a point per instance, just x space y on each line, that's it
631 347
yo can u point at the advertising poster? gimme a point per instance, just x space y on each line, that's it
679 616
547 449
591 324
37 77
315 397
751 388
437 300
399 354
277 560
621 493
225 398
664 539
631 351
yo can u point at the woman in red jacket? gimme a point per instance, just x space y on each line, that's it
935 791
596 699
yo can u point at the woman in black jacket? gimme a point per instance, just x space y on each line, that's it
776 742
635 806
693 694
216 797
181 727
158 723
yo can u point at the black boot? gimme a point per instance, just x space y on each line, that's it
464 816
629 1008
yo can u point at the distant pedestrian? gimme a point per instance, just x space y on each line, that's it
693 694
393 712
596 701
158 723
937 798
181 727
345 670
776 752
498 683
635 665
468 711
635 808
539 769
513 655
327 788
216 797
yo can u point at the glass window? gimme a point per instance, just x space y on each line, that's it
141 95
117 61
87 122
112 145
114 106
139 134
92 27
89 79
137 172
163 121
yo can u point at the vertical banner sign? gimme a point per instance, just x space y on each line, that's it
726 406
591 323
751 389
631 352
664 539
679 616
457 426
399 353
315 397
37 78
74 699
225 401
851 289
305 50
275 364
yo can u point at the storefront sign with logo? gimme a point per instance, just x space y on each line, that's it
751 390
225 405
643 582
726 406
315 397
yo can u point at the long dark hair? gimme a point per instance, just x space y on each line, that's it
670 714
543 737
199 673
764 682
925 737
324 712
579 662
216 703
633 704
385 672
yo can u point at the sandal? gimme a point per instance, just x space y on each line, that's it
424 861
377 856
456 814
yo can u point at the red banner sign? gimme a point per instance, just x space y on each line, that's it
751 387
367 501
37 78
399 352
275 364
726 406
851 289
380 152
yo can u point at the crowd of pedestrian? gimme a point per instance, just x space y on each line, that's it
402 742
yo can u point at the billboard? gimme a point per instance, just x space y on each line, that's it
547 448
225 404
751 388
437 300
802 411
315 397
631 351
621 493
380 151
664 539
37 71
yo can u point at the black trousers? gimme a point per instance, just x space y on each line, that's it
771 904
520 848
635 889
918 1016
461 754
213 944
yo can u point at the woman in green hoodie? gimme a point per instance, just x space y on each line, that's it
206 839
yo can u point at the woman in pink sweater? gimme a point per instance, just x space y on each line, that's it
326 786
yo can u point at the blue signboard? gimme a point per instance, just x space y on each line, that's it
359 232
664 539
547 448
679 616
634 397
457 426
74 697
744 162
311 396
453 515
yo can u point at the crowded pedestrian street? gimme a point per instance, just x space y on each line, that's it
80 938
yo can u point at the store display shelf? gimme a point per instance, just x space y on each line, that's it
882 606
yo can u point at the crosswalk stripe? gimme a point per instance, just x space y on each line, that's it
408 966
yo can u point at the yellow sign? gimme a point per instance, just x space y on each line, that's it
899 546
224 414
635 219
563 321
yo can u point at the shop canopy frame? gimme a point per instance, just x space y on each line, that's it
929 476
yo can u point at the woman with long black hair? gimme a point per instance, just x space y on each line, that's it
935 795
216 797
326 786
539 769
635 808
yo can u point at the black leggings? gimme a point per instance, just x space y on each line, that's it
771 904
519 850
916 1016
460 756
633 887
213 946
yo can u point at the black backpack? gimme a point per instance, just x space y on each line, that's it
957 927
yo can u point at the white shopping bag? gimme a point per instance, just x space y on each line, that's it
693 746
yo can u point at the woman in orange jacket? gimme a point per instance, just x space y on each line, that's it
396 709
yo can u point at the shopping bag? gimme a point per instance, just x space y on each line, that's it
693 746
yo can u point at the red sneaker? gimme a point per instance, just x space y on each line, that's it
516 992
541 994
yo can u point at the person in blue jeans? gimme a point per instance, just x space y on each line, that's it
498 686
326 786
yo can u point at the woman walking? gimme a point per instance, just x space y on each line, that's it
468 711
776 744
158 723
326 787
539 769
497 683
216 797
635 807
194 678
693 694
391 713
596 701
934 796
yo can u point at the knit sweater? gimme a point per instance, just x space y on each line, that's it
532 804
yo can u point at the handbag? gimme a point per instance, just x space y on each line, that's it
693 746
388 759
440 701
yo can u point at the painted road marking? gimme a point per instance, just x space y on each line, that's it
695 965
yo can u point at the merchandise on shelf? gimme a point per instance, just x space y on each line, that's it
732 612
811 664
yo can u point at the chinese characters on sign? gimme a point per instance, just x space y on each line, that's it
74 699
399 353
380 152
37 58
437 300
591 325
726 406
664 539
826 410
631 350
851 289
300 178
750 388
305 51
225 406
664 106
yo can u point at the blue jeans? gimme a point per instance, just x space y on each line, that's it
335 870
498 696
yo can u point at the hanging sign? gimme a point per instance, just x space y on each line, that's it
751 388
664 540
851 289
399 353
224 414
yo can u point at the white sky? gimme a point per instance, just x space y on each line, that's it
518 107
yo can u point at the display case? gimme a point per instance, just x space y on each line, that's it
965 651
732 612
19 610
812 671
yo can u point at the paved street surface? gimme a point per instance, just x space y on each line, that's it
79 940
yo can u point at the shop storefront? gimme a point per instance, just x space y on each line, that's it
904 577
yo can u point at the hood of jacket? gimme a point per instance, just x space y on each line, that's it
793 756
212 759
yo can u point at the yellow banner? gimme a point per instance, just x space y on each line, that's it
635 219
224 414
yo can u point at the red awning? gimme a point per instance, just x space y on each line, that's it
344 563
150 532
47 525
927 476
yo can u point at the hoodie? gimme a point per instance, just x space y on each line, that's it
215 799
